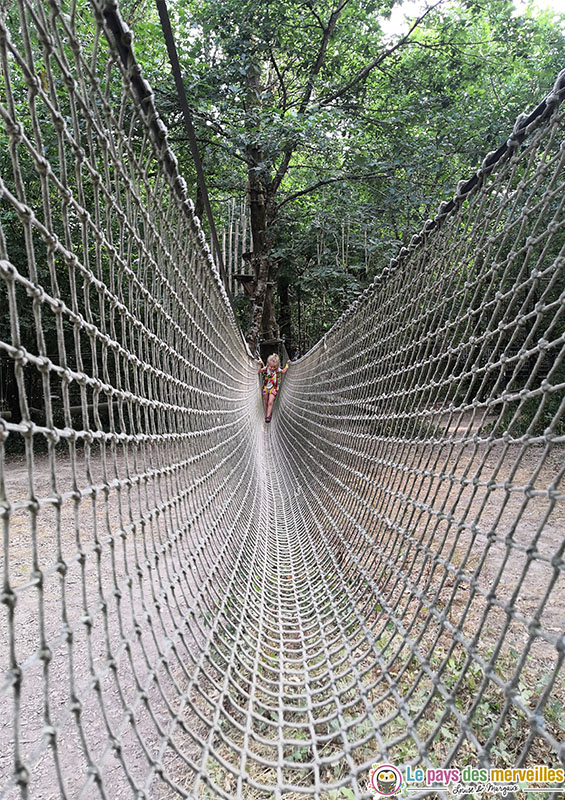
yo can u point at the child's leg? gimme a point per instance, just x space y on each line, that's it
269 405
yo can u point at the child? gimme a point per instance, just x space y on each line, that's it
272 370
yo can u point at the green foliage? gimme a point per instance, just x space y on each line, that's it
375 155
365 151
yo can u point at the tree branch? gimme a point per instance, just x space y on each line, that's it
213 143
326 182
280 78
362 74
328 33
318 19
502 105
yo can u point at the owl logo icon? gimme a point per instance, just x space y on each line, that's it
385 779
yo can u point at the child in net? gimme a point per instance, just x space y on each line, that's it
272 372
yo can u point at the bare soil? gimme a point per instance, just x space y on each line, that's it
80 556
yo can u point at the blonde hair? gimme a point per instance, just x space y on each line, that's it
274 361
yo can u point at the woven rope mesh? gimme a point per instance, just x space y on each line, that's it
195 604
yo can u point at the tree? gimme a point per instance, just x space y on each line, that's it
268 77
321 121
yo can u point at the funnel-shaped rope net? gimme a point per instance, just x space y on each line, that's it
195 604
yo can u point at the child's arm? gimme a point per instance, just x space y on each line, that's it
261 367
287 365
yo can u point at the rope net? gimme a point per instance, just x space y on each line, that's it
195 604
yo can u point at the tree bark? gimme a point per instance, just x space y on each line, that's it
262 214
284 312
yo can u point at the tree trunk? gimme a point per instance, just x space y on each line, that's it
12 392
199 204
284 312
262 214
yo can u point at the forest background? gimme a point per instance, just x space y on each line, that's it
337 137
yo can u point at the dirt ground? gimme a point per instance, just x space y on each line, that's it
93 530
94 516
